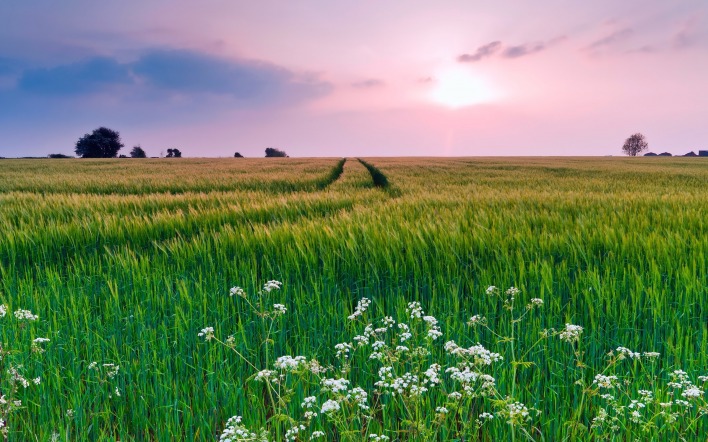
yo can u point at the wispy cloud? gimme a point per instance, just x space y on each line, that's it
610 40
686 35
523 50
509 51
369 83
482 52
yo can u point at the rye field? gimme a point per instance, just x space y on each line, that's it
389 299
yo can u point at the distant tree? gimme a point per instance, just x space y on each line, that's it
635 144
665 154
238 155
122 156
137 152
58 155
101 143
272 152
174 153
650 154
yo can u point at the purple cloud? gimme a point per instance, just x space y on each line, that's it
482 52
610 39
369 83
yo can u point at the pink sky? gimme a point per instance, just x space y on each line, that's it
324 78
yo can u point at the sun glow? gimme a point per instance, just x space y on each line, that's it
457 87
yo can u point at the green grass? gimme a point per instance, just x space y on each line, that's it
126 260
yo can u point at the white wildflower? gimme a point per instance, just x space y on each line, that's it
477 320
237 291
271 285
25 315
415 310
692 392
571 333
335 385
289 363
330 407
603 381
343 349
361 307
265 375
207 333
627 353
308 402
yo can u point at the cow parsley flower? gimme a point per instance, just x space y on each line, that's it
308 402
571 333
279 309
207 333
415 310
603 381
361 307
289 363
692 392
272 285
25 315
237 291
330 407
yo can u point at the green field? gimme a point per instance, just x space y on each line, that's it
126 261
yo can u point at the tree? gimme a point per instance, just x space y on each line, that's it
101 143
137 152
272 152
238 155
635 144
58 155
174 153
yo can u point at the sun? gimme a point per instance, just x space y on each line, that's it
457 87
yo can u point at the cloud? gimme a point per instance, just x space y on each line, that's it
83 77
522 50
610 40
369 83
482 52
188 72
510 52
167 73
686 36
530 48
9 66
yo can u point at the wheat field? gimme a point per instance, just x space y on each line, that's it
125 262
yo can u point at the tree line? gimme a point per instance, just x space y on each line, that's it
637 143
106 143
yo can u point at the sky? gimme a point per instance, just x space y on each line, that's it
355 78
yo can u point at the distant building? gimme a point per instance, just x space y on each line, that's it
703 153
